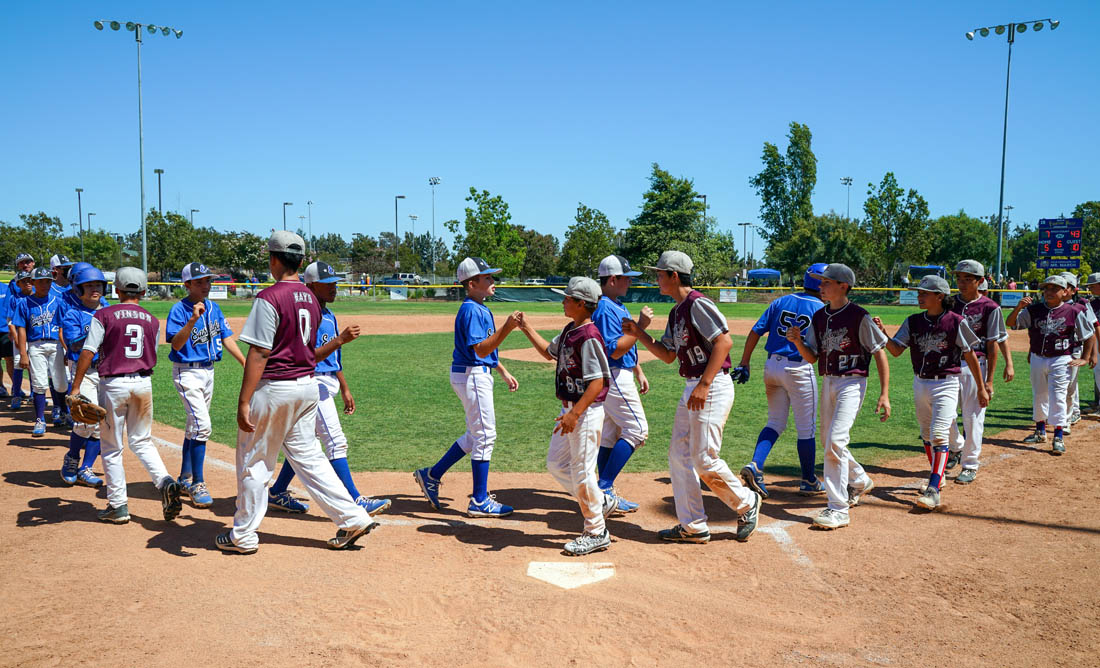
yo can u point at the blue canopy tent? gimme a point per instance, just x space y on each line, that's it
764 276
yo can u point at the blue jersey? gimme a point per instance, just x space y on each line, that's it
473 324
608 318
205 342
327 331
75 322
782 313
38 315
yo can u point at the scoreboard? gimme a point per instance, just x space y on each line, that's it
1060 243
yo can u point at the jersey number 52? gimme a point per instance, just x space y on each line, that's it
788 318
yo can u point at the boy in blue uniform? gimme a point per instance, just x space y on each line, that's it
321 279
474 358
35 320
196 329
21 288
75 321
60 267
789 381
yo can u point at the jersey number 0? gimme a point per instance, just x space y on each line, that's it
304 326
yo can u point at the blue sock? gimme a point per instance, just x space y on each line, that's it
17 382
449 459
91 451
285 476
601 459
764 443
198 456
58 399
1041 426
481 479
620 453
39 405
344 474
76 443
1057 432
185 458
807 456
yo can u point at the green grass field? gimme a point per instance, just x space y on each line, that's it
407 413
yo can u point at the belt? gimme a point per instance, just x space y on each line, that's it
195 365
136 374
781 358
327 373
942 376
455 368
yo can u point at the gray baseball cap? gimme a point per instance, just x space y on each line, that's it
23 275
195 271
131 279
23 257
319 272
972 267
1093 278
41 273
616 265
1054 280
282 241
933 283
474 266
674 261
841 273
1071 278
583 288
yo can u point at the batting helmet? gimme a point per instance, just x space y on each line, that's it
88 274
74 271
808 281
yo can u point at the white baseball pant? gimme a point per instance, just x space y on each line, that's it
571 459
623 415
694 454
129 404
1073 394
973 417
41 355
285 415
474 388
59 372
937 403
791 384
89 388
841 399
328 428
196 389
1049 382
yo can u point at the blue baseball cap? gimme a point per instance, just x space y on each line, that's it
195 271
319 272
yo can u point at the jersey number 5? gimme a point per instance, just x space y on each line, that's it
304 326
136 345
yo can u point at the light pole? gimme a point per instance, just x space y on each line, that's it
1011 29
396 240
193 212
80 220
160 202
847 181
309 215
745 241
90 214
301 223
136 29
118 240
413 217
704 218
433 182
285 205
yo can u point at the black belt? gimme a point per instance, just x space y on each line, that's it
143 374
944 376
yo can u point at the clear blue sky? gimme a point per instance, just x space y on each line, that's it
347 104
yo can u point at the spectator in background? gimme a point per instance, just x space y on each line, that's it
1011 284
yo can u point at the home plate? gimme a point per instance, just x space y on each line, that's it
570 574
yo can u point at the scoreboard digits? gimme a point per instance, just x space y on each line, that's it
1060 242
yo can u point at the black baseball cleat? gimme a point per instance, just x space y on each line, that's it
170 502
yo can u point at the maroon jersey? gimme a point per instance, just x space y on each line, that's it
129 340
977 314
844 340
692 326
284 319
934 343
1051 332
581 359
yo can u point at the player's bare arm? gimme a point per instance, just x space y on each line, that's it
882 408
345 394
640 377
567 422
508 378
181 337
1010 370
891 345
83 363
229 343
254 366
489 344
537 342
666 355
991 358
750 346
350 333
698 397
24 360
971 360
1010 321
794 335
1086 352
627 341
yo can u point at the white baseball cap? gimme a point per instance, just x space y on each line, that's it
616 265
474 266
1054 280
60 261
1071 278
195 271
1093 278
131 279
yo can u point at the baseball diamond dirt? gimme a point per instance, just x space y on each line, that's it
1004 574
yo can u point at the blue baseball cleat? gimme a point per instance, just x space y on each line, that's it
622 506
754 479
86 478
286 503
16 403
69 471
807 488
55 417
488 508
428 485
39 428
200 496
373 506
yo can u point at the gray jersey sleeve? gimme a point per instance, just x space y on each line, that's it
259 329
667 339
809 338
870 336
995 329
967 340
1084 326
94 339
552 349
902 337
1023 319
593 360
707 319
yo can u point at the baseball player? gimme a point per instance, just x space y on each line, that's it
474 358
7 350
697 336
843 338
625 428
321 279
581 382
198 333
60 266
90 284
789 382
1093 284
939 339
35 320
125 337
1053 328
1073 396
277 407
984 317
23 288
23 262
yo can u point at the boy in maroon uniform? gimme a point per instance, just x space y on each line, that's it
125 336
580 382
277 407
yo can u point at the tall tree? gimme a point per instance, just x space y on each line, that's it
40 236
898 223
489 234
542 253
331 243
587 241
171 241
961 237
367 256
826 238
669 218
1090 241
786 183
1021 251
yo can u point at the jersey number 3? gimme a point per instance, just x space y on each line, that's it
135 347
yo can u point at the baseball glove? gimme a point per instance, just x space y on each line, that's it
83 410
740 375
